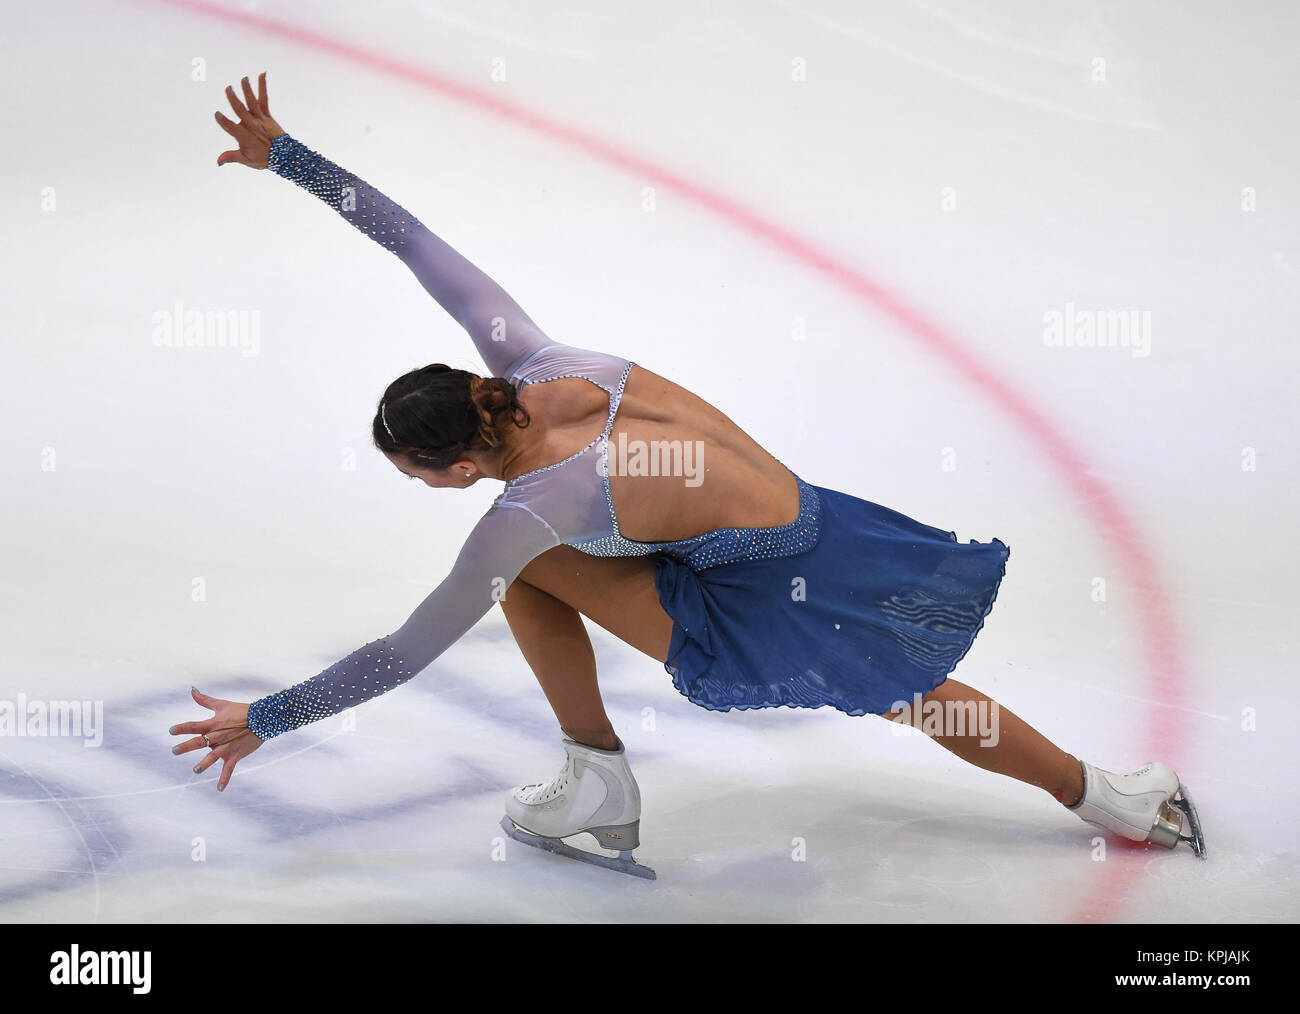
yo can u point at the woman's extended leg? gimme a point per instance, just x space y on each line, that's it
542 607
1017 750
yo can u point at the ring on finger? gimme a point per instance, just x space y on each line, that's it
205 741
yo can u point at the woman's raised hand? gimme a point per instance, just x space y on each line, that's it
225 735
255 130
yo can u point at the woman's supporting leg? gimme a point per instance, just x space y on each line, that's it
556 647
543 608
1018 750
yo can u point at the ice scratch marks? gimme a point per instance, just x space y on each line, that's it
999 91
487 31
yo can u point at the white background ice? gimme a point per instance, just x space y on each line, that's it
974 159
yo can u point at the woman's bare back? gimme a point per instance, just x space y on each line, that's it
678 466
731 482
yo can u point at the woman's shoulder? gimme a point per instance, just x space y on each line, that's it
543 505
557 360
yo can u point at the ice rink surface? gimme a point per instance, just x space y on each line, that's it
215 515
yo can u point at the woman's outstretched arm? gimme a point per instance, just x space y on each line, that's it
503 542
504 335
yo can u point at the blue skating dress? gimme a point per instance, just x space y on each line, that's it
851 605
855 606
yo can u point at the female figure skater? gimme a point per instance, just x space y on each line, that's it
633 502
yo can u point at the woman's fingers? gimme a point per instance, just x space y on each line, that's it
227 769
229 753
204 701
207 762
234 156
197 743
209 737
235 104
255 129
225 735
228 126
249 98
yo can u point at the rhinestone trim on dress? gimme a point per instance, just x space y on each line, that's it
616 396
722 545
708 549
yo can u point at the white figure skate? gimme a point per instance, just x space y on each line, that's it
1148 805
594 794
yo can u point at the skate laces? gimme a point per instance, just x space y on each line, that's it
545 792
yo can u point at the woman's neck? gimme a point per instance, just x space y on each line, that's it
510 458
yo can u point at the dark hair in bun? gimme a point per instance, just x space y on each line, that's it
435 414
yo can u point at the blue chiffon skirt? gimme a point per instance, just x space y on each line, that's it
880 608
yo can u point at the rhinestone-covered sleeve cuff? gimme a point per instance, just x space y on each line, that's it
368 672
383 220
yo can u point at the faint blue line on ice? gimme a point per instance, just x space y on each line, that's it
998 91
507 38
343 825
189 783
90 856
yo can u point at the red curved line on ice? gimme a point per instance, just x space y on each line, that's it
1164 671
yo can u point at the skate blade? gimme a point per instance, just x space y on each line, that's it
1183 803
1177 815
622 863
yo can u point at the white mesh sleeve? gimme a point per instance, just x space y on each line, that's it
503 334
505 539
